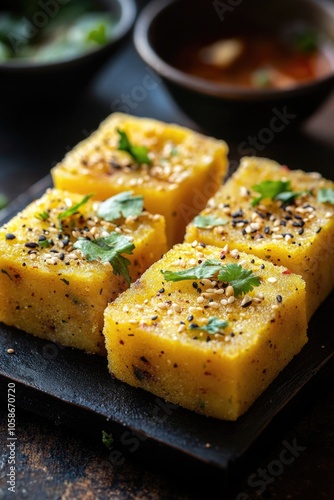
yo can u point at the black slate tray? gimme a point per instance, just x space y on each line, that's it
71 387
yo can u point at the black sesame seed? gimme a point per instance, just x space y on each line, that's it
262 266
239 213
153 318
318 230
161 290
31 244
279 298
195 285
301 231
192 326
10 236
267 230
190 318
42 238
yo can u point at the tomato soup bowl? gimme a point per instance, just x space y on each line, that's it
165 26
39 84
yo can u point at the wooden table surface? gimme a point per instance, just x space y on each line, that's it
54 462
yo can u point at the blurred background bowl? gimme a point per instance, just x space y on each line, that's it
32 83
165 25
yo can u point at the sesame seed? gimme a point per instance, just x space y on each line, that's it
231 299
214 305
279 298
181 328
229 291
224 302
246 301
272 280
10 351
10 236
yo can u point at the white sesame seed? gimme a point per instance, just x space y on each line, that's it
272 280
200 300
194 244
125 309
231 299
181 328
328 215
229 291
206 282
214 305
224 302
162 306
235 253
277 236
192 262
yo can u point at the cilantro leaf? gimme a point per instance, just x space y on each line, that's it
205 221
138 153
326 195
44 243
207 269
73 210
121 205
242 280
288 196
214 325
42 216
270 189
99 35
108 249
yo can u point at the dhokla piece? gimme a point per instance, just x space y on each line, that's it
270 211
55 291
176 169
211 344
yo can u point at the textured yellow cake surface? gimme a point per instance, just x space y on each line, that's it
48 288
299 235
155 341
186 168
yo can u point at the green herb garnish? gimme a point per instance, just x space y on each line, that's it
107 440
108 249
326 195
44 243
138 153
214 325
42 216
207 269
74 209
275 190
99 35
242 280
121 205
205 221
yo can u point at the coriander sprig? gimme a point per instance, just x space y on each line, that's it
121 205
109 249
207 221
275 190
138 153
74 209
326 195
242 280
213 326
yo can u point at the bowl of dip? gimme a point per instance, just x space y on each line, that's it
250 64
50 49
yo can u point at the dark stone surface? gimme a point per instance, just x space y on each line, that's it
54 462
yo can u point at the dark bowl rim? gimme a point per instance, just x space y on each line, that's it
200 85
122 27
